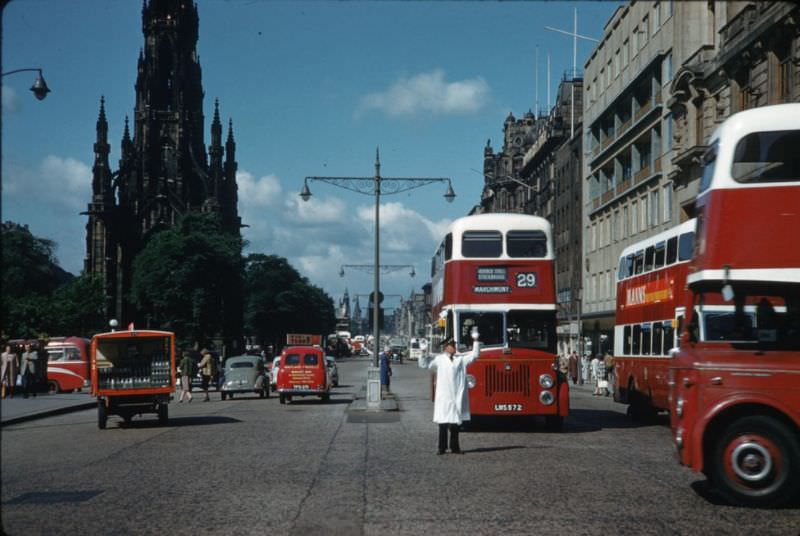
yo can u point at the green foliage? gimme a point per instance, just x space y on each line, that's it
30 276
188 279
279 301
79 306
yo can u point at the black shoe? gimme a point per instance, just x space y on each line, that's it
456 451
440 452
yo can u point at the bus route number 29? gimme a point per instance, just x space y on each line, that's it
526 279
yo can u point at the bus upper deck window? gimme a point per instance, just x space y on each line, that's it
709 161
482 244
638 262
767 157
649 258
672 250
660 254
685 246
448 246
526 244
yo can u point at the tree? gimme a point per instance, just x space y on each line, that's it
30 276
188 279
278 300
79 306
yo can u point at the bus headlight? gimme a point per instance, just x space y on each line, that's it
471 381
546 381
546 398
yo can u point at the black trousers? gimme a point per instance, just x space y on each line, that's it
454 446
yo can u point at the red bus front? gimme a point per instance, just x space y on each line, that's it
735 383
496 272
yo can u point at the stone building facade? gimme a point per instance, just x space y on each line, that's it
164 170
753 60
628 192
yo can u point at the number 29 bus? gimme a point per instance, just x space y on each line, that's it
496 272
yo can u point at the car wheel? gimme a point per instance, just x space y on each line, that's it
261 393
266 392
230 395
52 387
326 397
224 396
282 398
757 462
102 415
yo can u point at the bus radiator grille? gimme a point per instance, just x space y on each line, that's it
517 380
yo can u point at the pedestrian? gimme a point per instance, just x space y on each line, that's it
573 367
28 370
386 368
585 368
206 367
451 404
563 365
599 376
9 371
187 373
611 375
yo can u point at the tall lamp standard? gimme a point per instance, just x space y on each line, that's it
39 87
376 186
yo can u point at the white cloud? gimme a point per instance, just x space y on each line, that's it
428 93
322 234
10 101
64 182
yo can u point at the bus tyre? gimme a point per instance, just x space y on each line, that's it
163 413
326 397
554 423
282 398
639 409
52 387
757 462
102 415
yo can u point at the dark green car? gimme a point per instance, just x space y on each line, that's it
245 374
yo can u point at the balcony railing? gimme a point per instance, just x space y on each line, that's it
641 174
623 186
607 196
657 165
643 110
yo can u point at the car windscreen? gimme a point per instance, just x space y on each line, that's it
311 359
242 364
292 359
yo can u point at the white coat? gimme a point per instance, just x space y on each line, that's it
452 396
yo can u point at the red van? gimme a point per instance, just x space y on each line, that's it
302 372
68 364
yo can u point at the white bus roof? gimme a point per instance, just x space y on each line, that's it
685 227
502 222
761 119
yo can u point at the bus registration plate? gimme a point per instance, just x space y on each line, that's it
508 407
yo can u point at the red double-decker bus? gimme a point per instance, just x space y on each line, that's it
651 286
496 272
735 382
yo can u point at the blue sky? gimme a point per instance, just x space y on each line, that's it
312 89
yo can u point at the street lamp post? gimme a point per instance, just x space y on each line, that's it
39 87
375 186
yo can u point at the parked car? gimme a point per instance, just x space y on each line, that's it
333 370
245 374
273 373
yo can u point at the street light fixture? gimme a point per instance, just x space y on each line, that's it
376 186
39 87
384 268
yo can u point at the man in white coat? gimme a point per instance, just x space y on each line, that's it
451 406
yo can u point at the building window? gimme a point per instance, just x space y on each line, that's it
616 63
593 237
625 46
667 202
645 23
667 9
783 74
634 218
666 70
635 41
643 213
626 228
656 17
654 208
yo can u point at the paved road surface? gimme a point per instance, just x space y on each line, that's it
252 466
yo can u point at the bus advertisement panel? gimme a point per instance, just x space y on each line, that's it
496 272
735 382
651 285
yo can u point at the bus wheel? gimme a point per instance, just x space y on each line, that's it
282 398
553 423
52 387
639 409
326 397
757 462
102 415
